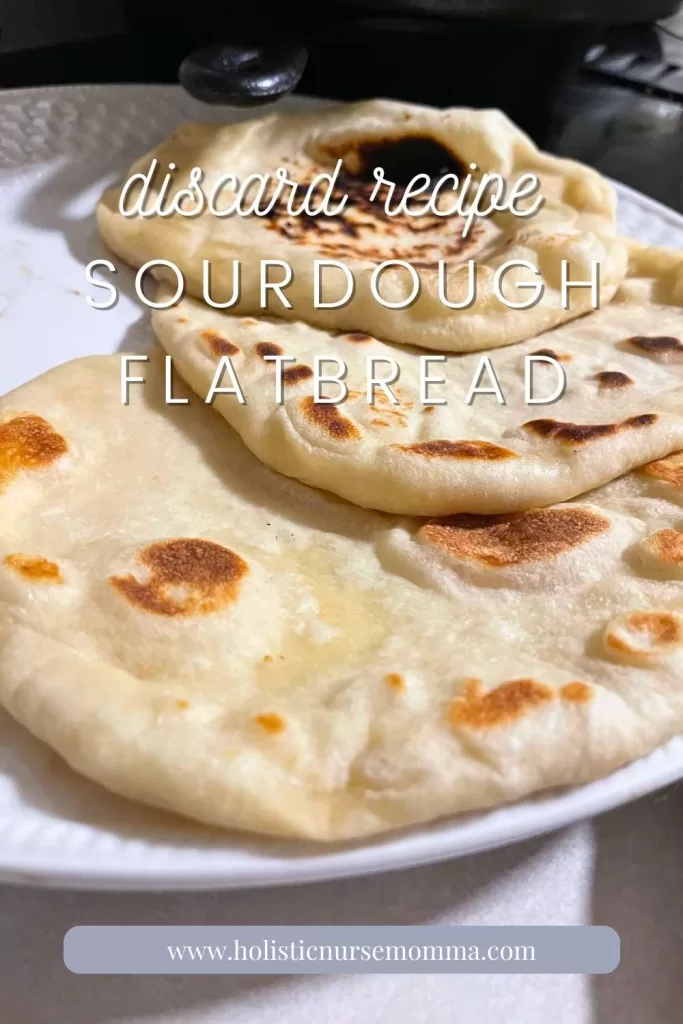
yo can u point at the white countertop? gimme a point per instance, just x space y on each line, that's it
623 869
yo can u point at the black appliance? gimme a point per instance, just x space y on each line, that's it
513 54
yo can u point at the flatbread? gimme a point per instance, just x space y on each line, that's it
623 405
576 222
196 632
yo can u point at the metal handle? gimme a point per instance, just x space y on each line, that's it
243 74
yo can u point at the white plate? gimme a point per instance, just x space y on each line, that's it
58 148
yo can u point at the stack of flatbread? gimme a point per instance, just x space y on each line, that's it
327 620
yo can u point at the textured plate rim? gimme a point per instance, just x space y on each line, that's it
423 846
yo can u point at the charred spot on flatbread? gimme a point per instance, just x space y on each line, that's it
442 449
613 380
362 229
583 433
549 353
643 635
268 348
663 348
401 156
665 546
506 703
328 419
185 577
509 702
295 374
28 442
356 337
502 541
218 345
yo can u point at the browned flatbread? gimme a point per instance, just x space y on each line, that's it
194 631
576 222
623 404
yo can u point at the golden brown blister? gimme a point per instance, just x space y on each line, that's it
194 631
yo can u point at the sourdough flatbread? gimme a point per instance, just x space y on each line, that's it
196 632
623 404
576 222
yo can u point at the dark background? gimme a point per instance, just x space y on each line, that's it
609 95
